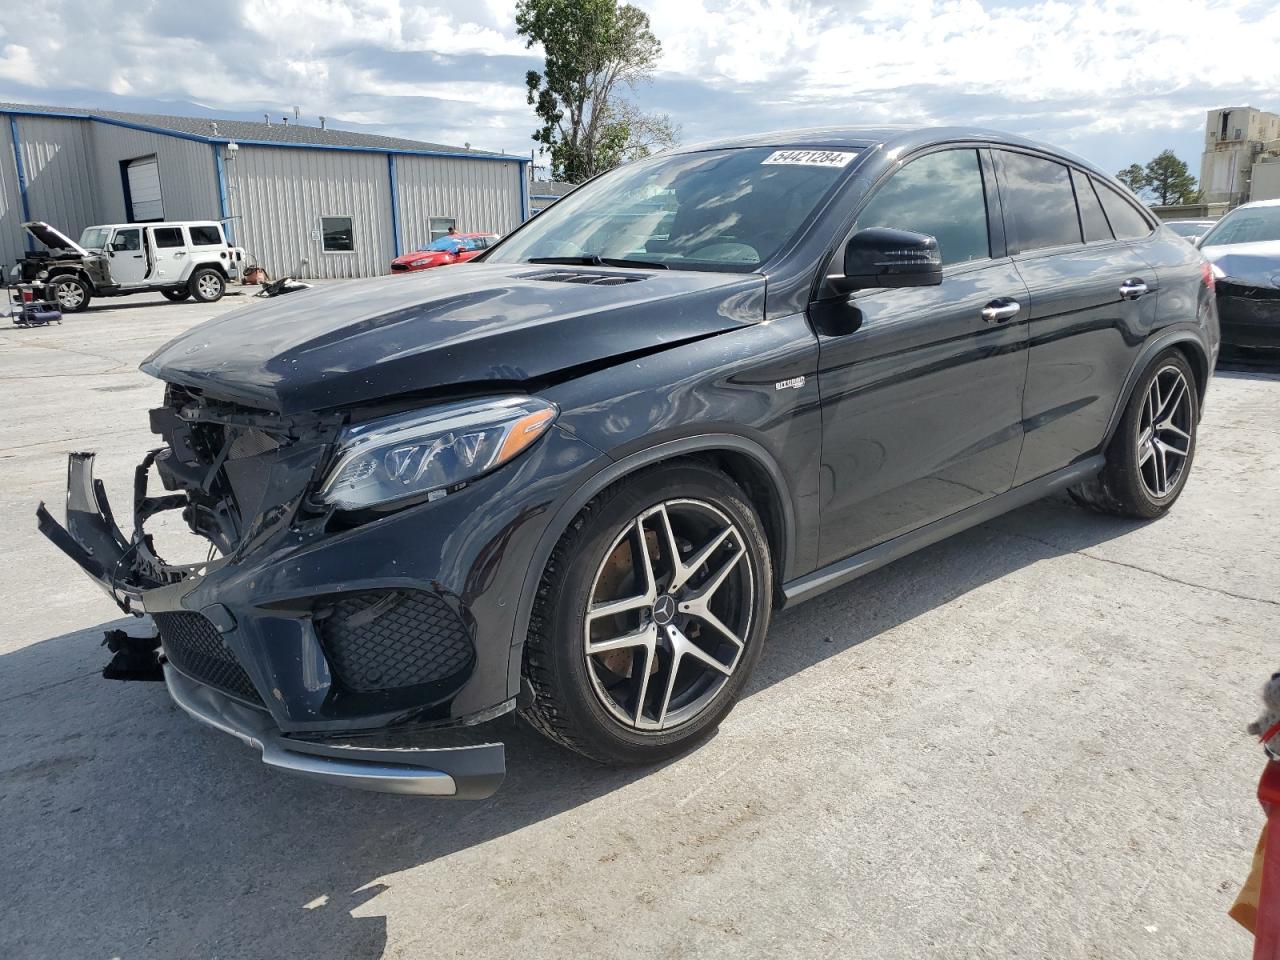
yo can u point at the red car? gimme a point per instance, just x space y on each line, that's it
455 248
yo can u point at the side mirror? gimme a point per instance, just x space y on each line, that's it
879 257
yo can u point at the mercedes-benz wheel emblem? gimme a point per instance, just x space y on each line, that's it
664 609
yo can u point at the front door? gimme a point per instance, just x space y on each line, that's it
921 387
127 258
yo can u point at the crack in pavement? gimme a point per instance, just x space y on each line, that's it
1133 566
49 686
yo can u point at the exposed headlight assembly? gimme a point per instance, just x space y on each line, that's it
421 455
1217 272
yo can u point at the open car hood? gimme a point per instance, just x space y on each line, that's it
53 238
359 341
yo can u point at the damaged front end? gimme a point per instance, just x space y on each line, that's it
286 656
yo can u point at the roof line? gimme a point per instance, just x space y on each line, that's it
198 138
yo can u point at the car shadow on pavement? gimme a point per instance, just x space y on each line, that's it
131 831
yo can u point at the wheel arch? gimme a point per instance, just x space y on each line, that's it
1189 343
78 272
744 460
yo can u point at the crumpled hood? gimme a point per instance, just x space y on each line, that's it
1257 264
359 341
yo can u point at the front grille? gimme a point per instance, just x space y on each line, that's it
386 639
193 645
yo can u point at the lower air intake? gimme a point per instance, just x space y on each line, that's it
194 646
387 639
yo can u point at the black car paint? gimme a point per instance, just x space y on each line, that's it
852 421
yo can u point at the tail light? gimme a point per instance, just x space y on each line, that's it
1206 274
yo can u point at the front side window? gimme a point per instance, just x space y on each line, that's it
1039 203
167 236
1091 216
720 210
439 227
940 194
1244 225
127 240
206 236
337 235
1126 222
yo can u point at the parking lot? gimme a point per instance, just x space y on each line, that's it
1026 741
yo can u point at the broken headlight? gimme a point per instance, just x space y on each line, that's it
420 455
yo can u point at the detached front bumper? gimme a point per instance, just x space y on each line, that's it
399 629
1249 316
463 773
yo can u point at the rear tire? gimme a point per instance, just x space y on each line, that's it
71 293
622 704
1150 456
176 294
207 285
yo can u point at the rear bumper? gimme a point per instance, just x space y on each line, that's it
463 773
1251 322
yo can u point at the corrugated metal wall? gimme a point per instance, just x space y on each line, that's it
188 183
482 195
277 197
12 244
58 161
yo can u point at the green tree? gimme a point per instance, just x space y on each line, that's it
1133 177
1168 179
593 50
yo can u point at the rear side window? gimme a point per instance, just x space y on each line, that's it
1126 222
940 194
1039 203
205 236
1091 216
168 236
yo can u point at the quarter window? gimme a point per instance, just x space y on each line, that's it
1091 216
1126 221
167 236
439 226
206 236
1040 206
940 194
337 234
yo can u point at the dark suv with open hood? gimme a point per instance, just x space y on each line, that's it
575 476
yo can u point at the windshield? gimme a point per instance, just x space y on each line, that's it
716 210
94 238
1246 225
447 244
1187 228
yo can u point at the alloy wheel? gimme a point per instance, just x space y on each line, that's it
68 294
210 286
669 612
1164 432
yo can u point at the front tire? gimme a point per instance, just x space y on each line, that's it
1150 456
71 293
650 616
207 285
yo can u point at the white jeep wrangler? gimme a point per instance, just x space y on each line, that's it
178 259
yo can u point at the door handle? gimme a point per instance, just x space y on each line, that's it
1132 289
998 311
180 253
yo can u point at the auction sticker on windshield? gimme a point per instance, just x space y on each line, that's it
810 158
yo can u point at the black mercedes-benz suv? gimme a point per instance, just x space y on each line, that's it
574 477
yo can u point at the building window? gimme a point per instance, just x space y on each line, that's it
206 236
337 235
440 226
168 237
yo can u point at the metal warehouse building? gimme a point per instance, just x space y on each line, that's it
347 202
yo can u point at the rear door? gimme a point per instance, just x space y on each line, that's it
169 254
922 395
1092 301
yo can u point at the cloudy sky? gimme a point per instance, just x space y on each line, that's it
1114 81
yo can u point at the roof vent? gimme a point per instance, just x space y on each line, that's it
578 276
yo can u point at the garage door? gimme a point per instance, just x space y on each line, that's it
144 189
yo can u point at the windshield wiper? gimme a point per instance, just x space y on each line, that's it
595 260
